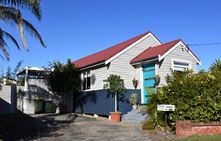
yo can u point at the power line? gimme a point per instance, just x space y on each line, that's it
204 44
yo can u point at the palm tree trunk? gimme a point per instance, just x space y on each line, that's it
115 98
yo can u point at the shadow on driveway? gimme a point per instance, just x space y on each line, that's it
53 127
21 126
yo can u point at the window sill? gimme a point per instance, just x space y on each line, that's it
88 90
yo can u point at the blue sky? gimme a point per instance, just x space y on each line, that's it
76 28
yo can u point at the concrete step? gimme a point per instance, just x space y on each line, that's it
135 116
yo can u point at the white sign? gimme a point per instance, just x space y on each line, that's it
165 107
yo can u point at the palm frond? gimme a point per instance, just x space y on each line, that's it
216 65
3 44
12 14
33 31
10 11
21 33
8 14
33 5
10 37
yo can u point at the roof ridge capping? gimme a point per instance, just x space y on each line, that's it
107 55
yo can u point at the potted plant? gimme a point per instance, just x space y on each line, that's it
135 83
115 85
133 101
63 108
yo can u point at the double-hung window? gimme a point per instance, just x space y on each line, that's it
86 80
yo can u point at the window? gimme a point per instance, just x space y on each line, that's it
86 80
180 65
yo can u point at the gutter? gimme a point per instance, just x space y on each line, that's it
91 66
145 61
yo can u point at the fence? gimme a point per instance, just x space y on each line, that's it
187 128
8 99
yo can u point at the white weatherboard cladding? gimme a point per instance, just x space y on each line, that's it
180 53
121 65
98 75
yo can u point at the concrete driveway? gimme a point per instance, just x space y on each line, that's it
72 127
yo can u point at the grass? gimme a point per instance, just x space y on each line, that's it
201 138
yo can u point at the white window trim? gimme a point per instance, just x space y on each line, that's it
88 74
181 61
141 85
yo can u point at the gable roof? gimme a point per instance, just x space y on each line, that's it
154 52
104 55
160 52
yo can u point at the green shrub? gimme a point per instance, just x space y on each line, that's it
133 99
156 120
197 97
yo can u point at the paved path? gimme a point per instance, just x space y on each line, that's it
80 128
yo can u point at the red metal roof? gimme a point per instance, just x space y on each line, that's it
106 54
153 52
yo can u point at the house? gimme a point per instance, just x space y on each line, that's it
8 81
35 87
142 58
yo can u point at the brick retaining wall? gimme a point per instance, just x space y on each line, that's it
187 128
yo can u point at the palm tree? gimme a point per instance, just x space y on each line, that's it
216 65
11 12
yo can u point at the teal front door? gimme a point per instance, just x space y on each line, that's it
148 80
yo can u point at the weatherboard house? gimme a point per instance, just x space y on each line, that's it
141 58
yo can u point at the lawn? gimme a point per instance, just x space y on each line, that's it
201 138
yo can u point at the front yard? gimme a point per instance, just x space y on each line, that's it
67 127
77 127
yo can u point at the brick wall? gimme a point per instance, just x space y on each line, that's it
187 128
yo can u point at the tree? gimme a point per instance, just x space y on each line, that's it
12 74
64 78
8 73
16 69
115 85
216 66
11 12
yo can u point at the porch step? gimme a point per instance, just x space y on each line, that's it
135 116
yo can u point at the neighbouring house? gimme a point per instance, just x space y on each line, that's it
141 58
35 87
8 97
8 81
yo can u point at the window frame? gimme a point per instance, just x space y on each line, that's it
85 76
180 61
